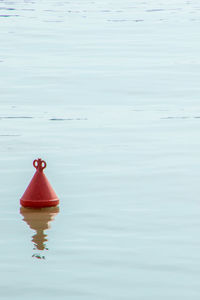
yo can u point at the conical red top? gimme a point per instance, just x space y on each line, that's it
39 192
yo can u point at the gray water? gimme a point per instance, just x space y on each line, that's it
107 92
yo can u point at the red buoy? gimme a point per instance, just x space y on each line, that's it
39 192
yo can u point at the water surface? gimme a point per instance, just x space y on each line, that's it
107 93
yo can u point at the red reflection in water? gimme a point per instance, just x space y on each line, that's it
39 220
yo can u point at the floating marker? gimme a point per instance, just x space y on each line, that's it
39 192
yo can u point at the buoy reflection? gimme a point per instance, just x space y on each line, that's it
39 220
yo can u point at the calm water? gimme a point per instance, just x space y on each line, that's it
107 92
